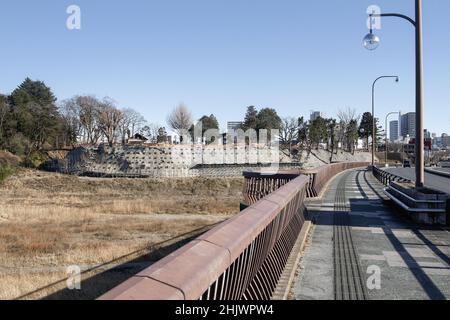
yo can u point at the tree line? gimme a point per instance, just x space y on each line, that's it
31 121
299 134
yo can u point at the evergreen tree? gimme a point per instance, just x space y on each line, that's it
268 119
318 131
251 119
209 123
366 127
162 135
36 115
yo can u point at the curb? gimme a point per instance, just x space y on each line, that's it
438 173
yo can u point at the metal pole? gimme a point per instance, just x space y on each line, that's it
374 136
373 124
386 141
420 145
386 138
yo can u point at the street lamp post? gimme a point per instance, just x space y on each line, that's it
371 42
374 136
386 136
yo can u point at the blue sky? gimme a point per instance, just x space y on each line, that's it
220 56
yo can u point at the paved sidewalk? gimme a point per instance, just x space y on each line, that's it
414 262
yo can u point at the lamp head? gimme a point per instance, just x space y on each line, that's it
371 41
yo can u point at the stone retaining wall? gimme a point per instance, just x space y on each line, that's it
164 161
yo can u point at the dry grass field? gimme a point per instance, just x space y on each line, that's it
50 221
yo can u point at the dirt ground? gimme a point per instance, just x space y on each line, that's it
50 221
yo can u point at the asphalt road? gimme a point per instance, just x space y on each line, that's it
431 180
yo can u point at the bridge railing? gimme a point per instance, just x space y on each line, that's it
386 177
319 177
242 258
260 184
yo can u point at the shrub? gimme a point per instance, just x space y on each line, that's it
6 171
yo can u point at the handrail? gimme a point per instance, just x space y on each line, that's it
259 184
242 258
386 177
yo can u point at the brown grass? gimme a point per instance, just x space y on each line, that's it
50 221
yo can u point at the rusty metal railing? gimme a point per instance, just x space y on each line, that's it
242 258
259 184
319 177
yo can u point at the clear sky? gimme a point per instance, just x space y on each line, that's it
220 56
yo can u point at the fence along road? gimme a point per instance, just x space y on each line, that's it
244 257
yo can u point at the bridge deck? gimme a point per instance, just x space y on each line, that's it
356 234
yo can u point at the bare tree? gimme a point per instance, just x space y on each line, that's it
289 132
70 114
109 119
88 110
180 120
348 115
131 124
151 131
137 120
345 133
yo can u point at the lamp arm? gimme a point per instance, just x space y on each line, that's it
398 15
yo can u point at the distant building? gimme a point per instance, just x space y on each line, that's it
233 126
316 114
408 124
137 139
393 131
445 140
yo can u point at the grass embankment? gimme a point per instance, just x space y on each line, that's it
50 221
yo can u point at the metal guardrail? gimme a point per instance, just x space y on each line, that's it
259 184
386 177
319 177
438 172
242 258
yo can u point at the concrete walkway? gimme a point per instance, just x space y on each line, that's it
370 251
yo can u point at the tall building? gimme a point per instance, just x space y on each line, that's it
393 131
316 114
408 125
445 140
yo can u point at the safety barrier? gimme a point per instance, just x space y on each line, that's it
260 184
386 177
242 258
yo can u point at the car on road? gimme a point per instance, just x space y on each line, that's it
406 164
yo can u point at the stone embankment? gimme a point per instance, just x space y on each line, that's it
183 160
